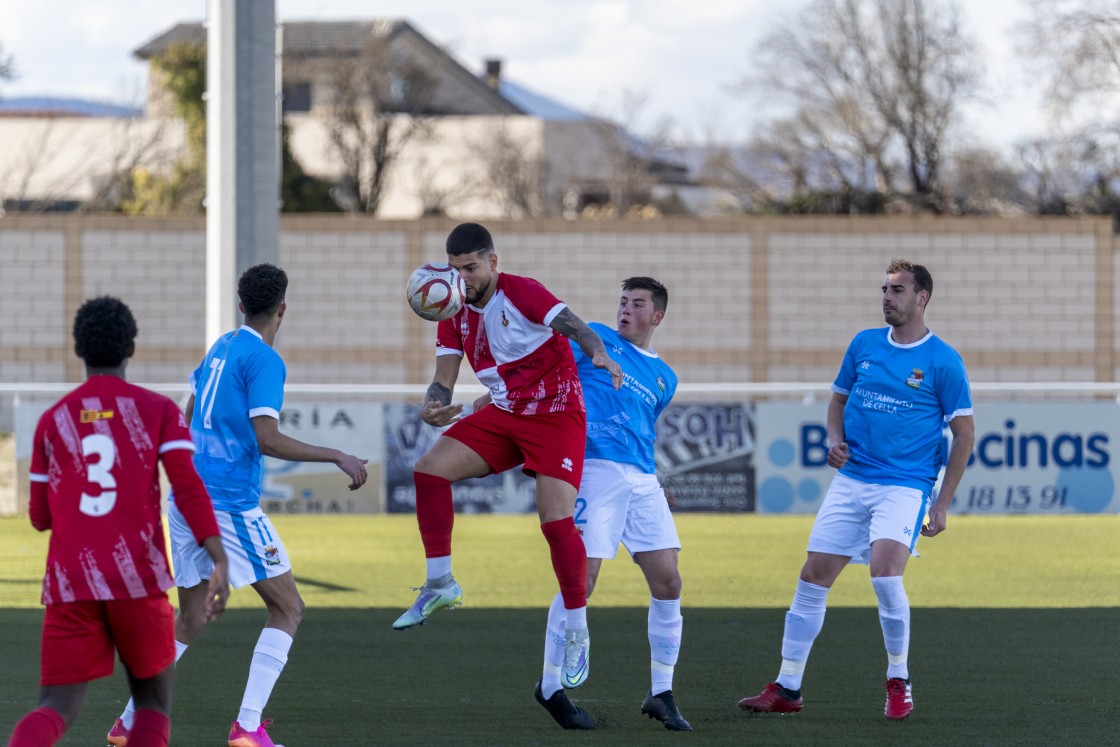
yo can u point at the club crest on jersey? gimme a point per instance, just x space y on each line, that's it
661 383
272 555
916 378
90 416
505 322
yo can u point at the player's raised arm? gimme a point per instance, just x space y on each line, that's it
574 328
438 410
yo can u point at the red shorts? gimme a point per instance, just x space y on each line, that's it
79 639
549 443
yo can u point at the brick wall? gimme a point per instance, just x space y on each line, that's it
758 300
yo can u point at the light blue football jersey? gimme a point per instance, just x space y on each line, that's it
620 424
240 378
899 397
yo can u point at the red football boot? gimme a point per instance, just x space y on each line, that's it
899 700
773 699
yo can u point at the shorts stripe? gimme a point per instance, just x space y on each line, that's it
918 523
246 541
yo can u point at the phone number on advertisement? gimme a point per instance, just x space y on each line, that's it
1011 498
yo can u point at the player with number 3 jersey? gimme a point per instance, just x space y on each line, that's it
95 485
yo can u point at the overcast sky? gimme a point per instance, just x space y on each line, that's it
683 55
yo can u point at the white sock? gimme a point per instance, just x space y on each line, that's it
577 618
554 647
438 567
269 657
130 707
663 627
894 617
803 624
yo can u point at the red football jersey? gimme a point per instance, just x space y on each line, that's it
97 451
527 366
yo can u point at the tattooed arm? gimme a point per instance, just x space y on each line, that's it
574 328
438 409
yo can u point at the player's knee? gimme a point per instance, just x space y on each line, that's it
189 623
293 610
666 587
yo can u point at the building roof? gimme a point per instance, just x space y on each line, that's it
310 38
333 39
54 106
535 104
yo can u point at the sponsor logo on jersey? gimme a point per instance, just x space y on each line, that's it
864 365
566 464
916 378
90 416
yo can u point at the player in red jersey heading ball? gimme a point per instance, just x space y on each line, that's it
514 333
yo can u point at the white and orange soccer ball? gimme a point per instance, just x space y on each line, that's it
436 292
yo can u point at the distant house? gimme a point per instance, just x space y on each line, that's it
490 142
490 147
311 49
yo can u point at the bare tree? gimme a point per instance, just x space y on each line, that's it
511 172
980 181
7 66
1074 47
438 195
379 106
874 87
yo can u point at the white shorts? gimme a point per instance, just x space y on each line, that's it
854 514
620 503
254 548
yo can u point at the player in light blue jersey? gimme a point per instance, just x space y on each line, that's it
620 499
234 412
896 388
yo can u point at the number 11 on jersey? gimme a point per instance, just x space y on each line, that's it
210 390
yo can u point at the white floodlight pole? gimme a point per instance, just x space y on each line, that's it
242 151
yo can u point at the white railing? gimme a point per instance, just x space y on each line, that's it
713 389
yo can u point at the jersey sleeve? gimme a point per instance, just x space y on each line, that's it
39 507
264 384
532 299
955 394
670 391
175 450
174 433
846 377
448 340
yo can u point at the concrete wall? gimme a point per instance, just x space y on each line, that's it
750 300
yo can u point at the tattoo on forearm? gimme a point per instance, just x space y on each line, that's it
574 328
437 392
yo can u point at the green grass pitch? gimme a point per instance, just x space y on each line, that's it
1015 640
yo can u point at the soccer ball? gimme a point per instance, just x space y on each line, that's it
436 292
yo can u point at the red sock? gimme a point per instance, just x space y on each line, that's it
40 728
149 729
435 513
569 560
